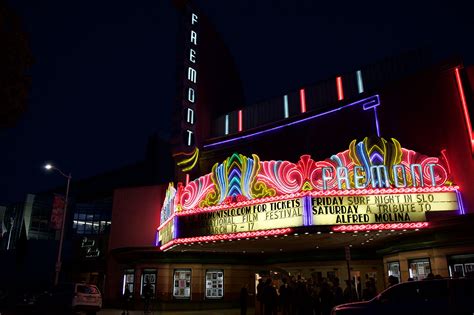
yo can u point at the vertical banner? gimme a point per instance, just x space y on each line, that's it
57 212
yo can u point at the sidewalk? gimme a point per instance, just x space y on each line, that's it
234 311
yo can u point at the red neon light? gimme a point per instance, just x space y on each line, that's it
225 237
382 226
464 106
302 101
240 120
187 178
340 91
443 152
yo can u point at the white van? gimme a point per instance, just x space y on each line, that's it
71 297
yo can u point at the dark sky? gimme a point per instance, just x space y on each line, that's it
104 72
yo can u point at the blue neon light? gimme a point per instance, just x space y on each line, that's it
376 121
461 205
367 103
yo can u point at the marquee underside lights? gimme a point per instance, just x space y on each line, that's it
374 184
381 227
225 237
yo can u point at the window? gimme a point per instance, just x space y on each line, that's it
148 277
419 268
394 270
182 283
92 218
214 284
128 280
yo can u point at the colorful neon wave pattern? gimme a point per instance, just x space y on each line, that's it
240 178
169 203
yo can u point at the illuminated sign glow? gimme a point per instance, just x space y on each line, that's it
380 208
263 216
191 154
374 182
368 164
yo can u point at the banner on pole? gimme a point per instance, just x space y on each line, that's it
58 212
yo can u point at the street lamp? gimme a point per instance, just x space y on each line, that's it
58 261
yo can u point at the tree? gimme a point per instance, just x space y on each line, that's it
15 60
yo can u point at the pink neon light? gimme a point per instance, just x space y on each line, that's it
340 91
464 106
224 237
240 120
302 101
382 226
187 178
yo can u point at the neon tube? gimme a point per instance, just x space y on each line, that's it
307 211
464 106
382 226
340 90
240 120
360 83
302 101
460 203
368 102
226 127
285 106
376 121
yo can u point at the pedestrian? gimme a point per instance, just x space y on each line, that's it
259 302
337 290
244 296
370 291
127 295
285 294
326 297
392 280
148 295
270 298
350 293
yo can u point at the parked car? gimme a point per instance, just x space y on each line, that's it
439 297
70 298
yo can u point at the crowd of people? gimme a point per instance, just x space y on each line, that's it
297 296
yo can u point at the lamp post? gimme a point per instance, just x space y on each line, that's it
58 261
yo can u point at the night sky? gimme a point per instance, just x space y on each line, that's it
104 74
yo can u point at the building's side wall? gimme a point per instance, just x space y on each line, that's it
135 216
235 276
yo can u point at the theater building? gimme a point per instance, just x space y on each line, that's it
364 175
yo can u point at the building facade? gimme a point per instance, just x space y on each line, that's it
360 177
